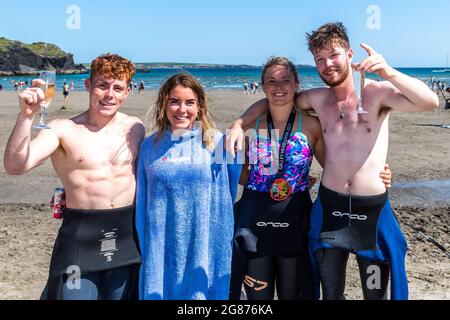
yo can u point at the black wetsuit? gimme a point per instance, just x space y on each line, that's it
95 257
366 226
270 244
271 240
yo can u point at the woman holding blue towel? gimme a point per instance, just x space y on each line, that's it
184 201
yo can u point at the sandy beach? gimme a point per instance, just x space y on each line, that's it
418 155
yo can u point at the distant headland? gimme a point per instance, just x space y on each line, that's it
17 58
147 67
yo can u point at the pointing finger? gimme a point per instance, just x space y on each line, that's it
368 49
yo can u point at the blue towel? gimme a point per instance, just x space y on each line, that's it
184 218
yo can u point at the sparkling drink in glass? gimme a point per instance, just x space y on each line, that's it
359 80
49 78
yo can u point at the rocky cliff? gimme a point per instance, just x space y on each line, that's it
17 58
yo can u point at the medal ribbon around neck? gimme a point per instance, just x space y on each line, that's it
281 189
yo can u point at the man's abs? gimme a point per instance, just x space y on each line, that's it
100 189
97 174
356 151
353 163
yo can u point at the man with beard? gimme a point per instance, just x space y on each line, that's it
352 213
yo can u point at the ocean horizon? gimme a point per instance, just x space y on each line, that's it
224 78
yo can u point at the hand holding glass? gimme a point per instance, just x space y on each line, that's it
49 77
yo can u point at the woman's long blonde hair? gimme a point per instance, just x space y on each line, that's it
159 115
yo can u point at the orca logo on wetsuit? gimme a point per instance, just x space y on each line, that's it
273 224
350 216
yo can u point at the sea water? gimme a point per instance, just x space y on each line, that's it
226 78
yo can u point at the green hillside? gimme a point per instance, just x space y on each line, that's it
40 48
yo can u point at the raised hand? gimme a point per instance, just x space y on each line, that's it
374 63
31 99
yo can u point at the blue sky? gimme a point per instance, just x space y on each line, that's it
411 33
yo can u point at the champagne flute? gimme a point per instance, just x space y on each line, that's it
359 80
49 77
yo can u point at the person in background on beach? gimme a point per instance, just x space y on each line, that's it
184 200
141 86
352 213
246 92
65 93
130 86
255 88
272 217
1 87
72 86
94 156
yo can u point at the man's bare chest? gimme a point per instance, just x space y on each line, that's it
349 133
98 150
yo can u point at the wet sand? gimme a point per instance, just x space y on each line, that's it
419 151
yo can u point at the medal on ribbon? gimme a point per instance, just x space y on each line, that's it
280 190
